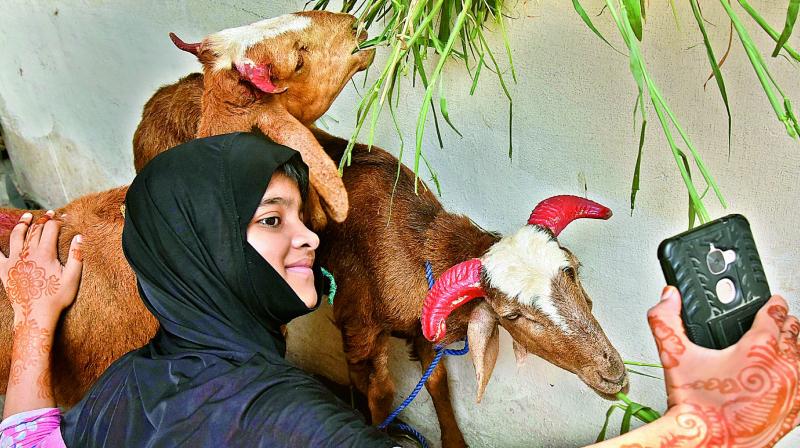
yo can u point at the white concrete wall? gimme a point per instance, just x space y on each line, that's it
74 76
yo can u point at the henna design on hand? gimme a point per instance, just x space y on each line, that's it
742 410
670 346
45 385
77 253
32 341
27 282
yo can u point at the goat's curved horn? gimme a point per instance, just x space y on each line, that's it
259 75
457 286
191 48
557 212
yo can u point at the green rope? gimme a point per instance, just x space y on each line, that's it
332 291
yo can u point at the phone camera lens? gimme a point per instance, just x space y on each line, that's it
716 261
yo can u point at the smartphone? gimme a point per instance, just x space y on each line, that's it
717 269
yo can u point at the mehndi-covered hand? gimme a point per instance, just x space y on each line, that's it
746 395
39 288
35 281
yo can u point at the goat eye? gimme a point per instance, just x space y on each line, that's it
569 272
300 62
512 316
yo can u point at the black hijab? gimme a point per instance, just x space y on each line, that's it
214 374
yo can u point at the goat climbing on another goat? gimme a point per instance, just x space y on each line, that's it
280 75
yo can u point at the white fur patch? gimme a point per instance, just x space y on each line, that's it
522 266
230 44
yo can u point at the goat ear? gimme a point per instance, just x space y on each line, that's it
260 75
484 341
520 352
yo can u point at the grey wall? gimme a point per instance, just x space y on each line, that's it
75 74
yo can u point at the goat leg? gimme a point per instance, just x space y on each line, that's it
283 128
440 394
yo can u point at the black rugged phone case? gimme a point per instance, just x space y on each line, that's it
709 322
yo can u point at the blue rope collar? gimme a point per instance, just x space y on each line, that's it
440 351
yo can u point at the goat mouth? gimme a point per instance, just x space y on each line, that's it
365 58
607 389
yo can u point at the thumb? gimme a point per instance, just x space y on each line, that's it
74 266
667 327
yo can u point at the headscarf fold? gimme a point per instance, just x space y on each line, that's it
214 374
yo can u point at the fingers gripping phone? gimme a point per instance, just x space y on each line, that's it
719 274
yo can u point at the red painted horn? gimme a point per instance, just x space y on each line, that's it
191 48
557 212
457 286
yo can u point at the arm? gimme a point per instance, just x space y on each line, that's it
747 395
39 289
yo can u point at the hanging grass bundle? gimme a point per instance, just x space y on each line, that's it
413 30
416 30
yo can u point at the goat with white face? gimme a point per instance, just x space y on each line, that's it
279 75
531 287
525 282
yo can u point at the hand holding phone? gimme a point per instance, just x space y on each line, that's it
747 396
718 272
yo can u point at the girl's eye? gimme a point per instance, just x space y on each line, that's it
271 221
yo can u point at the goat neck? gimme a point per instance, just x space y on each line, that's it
449 240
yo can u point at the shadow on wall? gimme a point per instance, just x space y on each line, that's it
9 193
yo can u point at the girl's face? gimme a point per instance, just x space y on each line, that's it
278 233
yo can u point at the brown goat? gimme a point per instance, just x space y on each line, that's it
530 284
381 282
108 319
280 75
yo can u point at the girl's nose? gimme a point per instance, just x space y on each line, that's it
305 238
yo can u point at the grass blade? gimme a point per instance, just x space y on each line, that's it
588 21
634 10
443 109
763 74
504 36
767 28
434 78
636 372
791 17
637 170
602 435
714 66
626 418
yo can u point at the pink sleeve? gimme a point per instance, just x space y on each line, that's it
40 428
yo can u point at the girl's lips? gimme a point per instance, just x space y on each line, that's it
300 270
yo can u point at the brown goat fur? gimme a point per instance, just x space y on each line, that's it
107 319
177 106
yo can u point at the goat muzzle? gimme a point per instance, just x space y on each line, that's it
557 212
457 286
